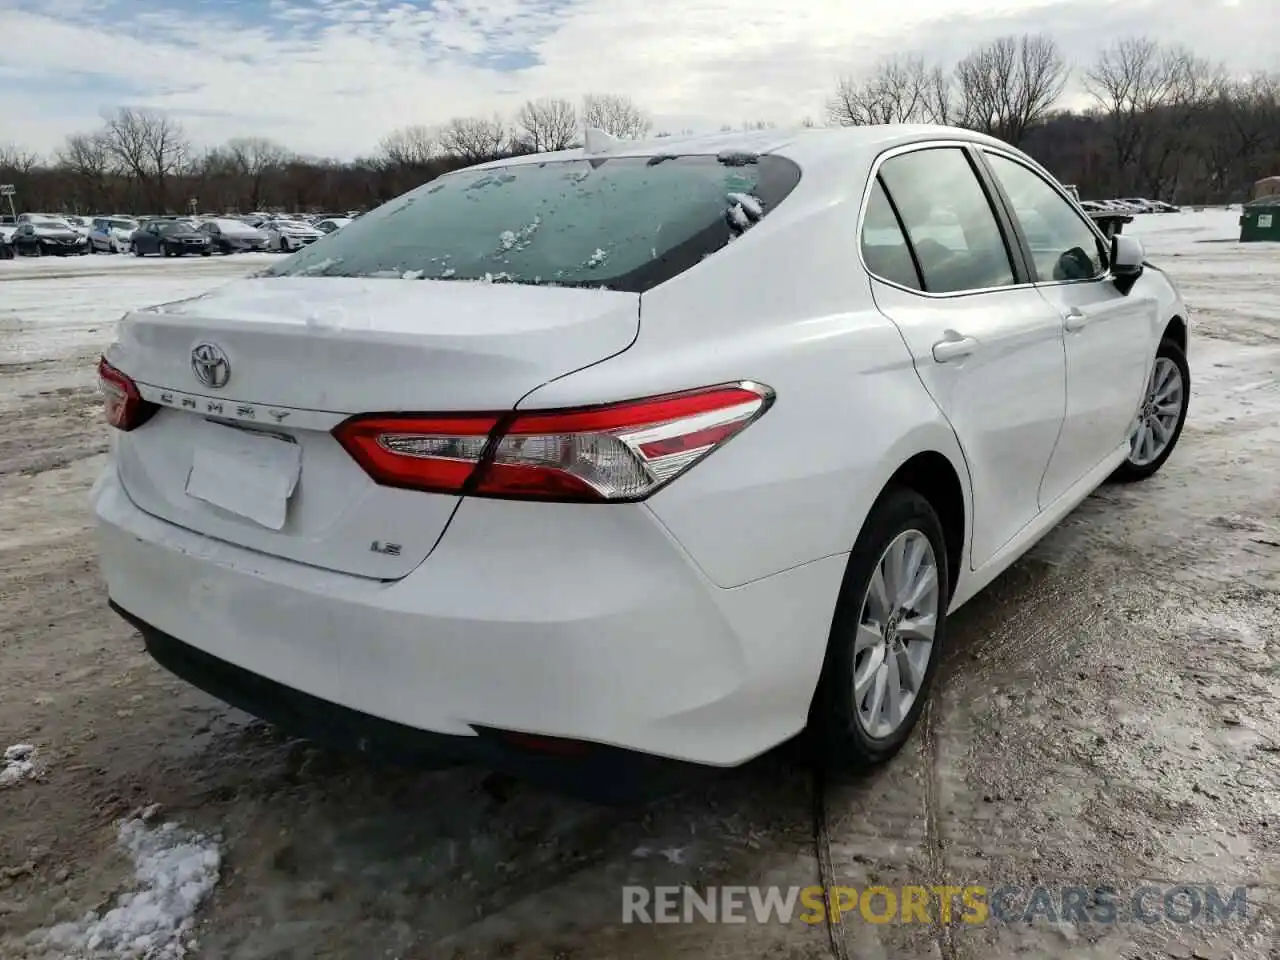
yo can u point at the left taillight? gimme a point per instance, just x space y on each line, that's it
612 453
123 404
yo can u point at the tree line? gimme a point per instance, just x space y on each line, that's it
1161 123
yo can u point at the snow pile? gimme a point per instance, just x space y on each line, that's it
175 870
19 764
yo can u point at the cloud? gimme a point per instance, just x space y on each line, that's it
330 77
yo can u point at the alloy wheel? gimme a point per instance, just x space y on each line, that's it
1157 420
894 640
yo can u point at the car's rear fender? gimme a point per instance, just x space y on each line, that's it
797 485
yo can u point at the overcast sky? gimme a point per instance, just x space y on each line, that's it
330 77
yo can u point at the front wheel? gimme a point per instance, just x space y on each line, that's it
886 636
1158 425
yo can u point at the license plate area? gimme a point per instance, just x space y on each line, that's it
250 474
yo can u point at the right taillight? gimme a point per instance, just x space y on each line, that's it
614 452
123 404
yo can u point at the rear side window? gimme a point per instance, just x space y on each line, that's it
884 248
620 223
948 220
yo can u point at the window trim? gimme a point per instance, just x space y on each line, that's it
878 181
1105 276
1014 249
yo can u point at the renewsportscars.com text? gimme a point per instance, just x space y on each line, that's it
973 904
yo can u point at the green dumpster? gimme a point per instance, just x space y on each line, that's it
1260 220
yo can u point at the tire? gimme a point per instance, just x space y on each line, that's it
838 727
1169 357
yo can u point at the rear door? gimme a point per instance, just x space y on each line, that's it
1107 334
986 345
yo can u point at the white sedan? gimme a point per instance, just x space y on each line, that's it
112 234
668 449
286 236
330 224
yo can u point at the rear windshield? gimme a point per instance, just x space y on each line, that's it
621 223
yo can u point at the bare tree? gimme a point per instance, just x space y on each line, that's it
900 89
615 114
548 123
1147 93
1128 80
85 157
412 146
1009 85
252 160
150 145
16 159
475 139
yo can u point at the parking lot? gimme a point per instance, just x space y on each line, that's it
1108 715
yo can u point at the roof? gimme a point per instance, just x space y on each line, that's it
806 145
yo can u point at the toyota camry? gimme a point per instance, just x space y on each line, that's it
641 451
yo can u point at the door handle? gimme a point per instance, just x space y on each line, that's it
946 350
1074 320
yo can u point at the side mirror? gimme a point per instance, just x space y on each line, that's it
1127 258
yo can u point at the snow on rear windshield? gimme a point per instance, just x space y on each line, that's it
619 223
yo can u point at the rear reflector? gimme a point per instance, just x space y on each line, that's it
123 405
615 452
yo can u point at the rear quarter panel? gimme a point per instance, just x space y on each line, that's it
786 305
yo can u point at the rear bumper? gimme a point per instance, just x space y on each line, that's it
599 773
547 619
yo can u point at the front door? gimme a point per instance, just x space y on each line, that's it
986 345
1107 333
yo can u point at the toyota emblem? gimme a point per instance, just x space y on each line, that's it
210 365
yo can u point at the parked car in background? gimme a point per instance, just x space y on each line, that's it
172 238
1091 206
8 225
39 236
287 236
780 504
1162 206
228 235
331 224
111 234
81 225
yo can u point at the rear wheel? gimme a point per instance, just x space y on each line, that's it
886 636
1158 425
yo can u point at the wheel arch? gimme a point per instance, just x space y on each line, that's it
1176 330
932 475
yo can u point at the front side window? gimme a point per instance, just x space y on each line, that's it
884 248
948 220
1063 246
623 223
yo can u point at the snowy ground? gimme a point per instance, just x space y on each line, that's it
1108 715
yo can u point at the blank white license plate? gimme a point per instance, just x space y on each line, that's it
250 474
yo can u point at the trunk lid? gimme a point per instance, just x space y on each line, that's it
286 359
